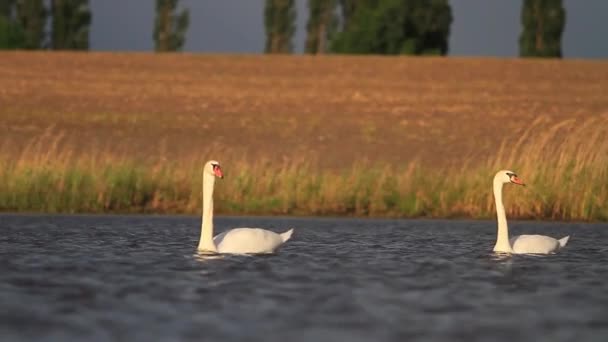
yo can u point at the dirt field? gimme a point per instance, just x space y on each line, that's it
336 109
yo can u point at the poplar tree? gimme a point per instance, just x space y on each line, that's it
347 8
543 23
71 24
11 34
170 27
31 15
7 8
321 26
279 18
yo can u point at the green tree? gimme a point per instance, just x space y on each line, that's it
6 8
543 24
71 22
348 8
279 18
170 27
413 27
11 35
32 16
322 24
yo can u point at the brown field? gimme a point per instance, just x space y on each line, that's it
334 110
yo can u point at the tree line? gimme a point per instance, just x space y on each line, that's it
393 27
409 27
23 24
65 25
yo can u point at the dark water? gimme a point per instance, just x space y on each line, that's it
96 278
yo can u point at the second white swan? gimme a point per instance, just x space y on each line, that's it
237 240
522 244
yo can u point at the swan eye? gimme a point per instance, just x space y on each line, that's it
509 174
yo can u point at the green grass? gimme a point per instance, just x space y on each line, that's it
576 193
566 169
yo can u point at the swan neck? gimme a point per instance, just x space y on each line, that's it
502 238
206 241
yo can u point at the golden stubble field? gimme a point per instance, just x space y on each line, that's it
333 110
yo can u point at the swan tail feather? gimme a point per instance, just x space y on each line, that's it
286 235
563 241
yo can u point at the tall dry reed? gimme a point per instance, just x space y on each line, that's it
565 165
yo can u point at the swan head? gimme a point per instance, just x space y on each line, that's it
213 168
508 176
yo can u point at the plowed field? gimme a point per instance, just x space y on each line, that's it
336 110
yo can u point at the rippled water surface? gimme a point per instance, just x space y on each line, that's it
138 278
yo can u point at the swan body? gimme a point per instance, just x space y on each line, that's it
536 244
521 244
237 240
250 240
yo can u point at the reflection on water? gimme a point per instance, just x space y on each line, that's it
206 256
140 278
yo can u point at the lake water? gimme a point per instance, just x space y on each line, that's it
138 278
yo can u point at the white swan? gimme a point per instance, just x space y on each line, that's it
522 244
237 240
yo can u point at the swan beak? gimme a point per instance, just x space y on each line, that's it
218 172
517 180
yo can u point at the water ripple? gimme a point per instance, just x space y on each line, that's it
100 278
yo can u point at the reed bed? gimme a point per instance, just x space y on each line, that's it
565 165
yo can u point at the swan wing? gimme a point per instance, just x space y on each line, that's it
563 241
250 241
287 235
534 244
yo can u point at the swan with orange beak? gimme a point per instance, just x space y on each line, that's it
521 244
237 240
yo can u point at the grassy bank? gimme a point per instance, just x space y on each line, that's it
565 166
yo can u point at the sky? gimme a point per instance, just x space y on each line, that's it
480 27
